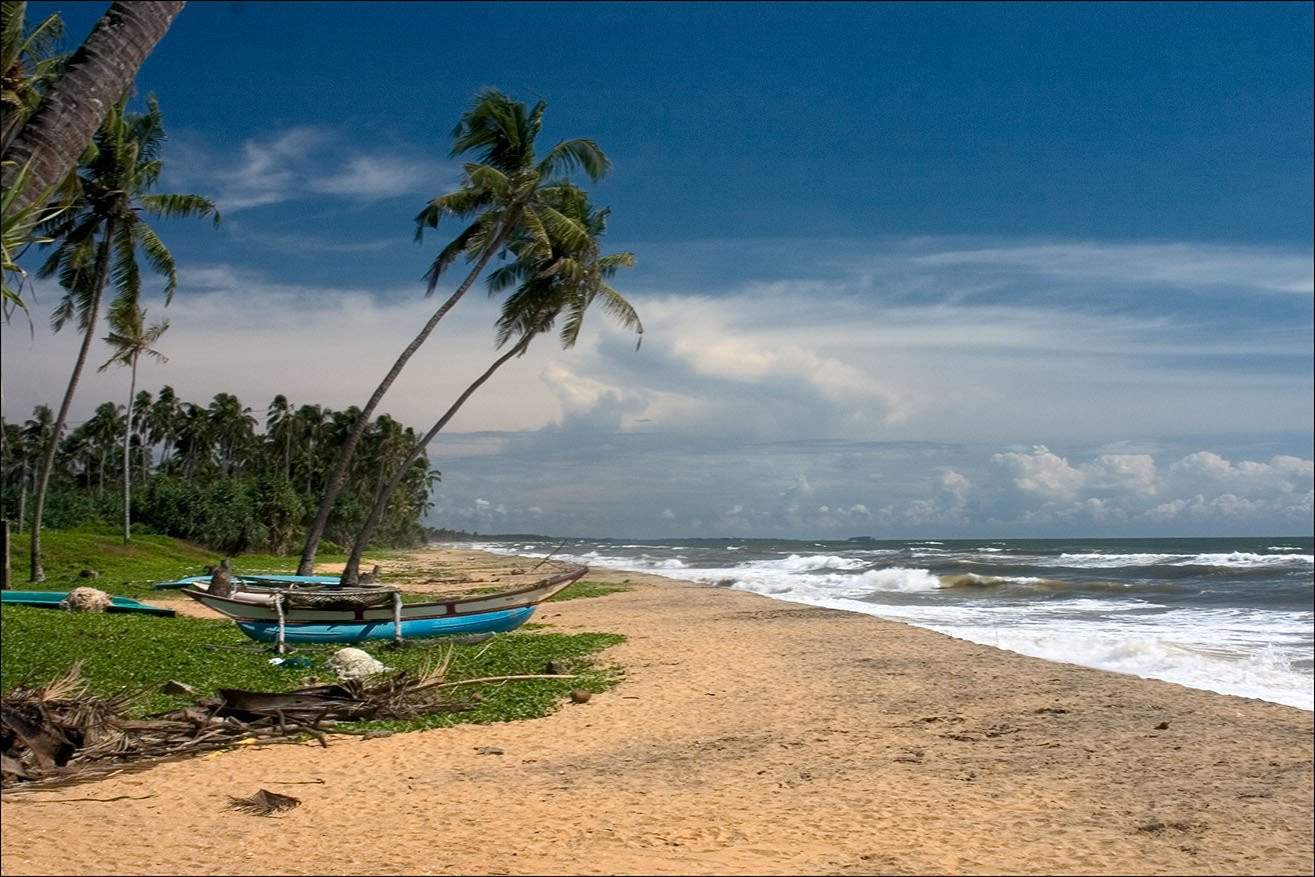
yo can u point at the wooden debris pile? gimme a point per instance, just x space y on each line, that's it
61 733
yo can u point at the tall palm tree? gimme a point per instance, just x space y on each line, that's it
506 192
76 104
130 337
98 239
565 279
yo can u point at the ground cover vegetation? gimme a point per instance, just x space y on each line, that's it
144 668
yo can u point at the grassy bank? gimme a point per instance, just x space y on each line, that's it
126 653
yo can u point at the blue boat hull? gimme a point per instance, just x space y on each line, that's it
51 600
486 622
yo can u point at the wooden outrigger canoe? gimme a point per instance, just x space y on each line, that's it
283 609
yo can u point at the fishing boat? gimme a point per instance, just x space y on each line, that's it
55 600
284 609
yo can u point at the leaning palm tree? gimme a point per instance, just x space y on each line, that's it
507 192
75 106
131 337
97 240
563 279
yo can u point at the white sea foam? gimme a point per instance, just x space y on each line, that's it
1235 559
1261 651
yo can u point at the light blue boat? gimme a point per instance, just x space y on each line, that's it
55 599
284 609
352 632
271 580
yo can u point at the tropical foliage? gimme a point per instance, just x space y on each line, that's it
207 472
559 274
508 192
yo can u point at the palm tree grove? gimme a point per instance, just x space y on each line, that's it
292 476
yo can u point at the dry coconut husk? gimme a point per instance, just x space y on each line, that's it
86 600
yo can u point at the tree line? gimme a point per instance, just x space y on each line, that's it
512 204
213 474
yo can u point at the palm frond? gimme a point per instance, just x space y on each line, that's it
263 803
577 154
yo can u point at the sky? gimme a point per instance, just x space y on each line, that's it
913 271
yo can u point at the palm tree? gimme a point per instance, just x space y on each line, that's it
279 422
36 433
232 428
162 421
141 412
506 192
309 424
76 104
101 435
193 440
130 337
566 279
98 239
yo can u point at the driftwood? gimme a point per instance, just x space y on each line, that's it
60 733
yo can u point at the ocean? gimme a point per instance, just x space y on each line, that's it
1234 616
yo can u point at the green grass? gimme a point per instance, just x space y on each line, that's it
68 556
122 653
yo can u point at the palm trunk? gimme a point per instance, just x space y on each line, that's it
48 458
339 473
98 74
22 495
351 572
127 458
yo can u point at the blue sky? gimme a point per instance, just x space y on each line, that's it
905 270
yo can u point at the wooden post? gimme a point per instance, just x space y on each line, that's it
4 537
280 648
397 618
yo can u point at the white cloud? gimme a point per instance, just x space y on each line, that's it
1042 473
1189 266
302 162
373 177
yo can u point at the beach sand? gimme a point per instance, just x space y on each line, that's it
748 736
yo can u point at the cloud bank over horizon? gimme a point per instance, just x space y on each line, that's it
887 393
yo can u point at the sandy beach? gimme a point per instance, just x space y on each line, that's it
748 737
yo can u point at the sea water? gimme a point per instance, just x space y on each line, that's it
1233 616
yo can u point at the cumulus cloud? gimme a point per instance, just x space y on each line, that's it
1042 473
